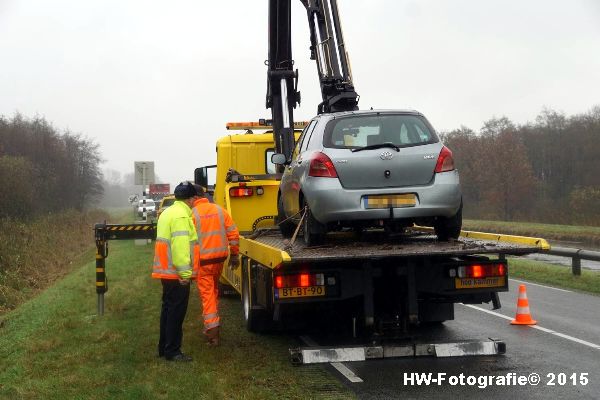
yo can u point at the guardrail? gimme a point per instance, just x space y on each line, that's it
576 256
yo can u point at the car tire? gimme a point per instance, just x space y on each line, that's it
314 231
286 228
449 228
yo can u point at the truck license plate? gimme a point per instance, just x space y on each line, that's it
390 201
475 283
309 291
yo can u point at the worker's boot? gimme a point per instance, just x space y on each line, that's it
212 336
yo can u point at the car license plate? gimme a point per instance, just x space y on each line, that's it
390 201
475 283
292 292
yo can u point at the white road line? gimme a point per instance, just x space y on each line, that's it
544 286
342 369
550 331
488 311
351 376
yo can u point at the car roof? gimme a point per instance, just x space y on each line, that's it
343 114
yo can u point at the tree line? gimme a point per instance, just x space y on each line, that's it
45 170
543 171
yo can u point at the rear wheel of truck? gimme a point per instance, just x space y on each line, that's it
286 226
314 231
449 228
254 316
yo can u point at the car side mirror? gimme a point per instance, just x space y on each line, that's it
278 159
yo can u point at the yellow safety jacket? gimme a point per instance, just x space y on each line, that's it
175 239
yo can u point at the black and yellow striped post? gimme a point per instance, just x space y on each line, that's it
101 253
105 232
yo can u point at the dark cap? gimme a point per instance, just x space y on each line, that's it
199 190
185 190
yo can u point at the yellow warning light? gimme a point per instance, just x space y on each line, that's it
243 126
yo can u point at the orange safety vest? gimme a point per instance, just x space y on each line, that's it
217 233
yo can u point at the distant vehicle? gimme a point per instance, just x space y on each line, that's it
157 191
166 202
148 205
370 168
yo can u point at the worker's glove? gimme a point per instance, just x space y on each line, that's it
184 276
234 262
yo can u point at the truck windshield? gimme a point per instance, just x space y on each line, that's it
168 202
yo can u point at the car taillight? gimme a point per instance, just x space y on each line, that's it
445 161
321 165
240 191
481 270
299 280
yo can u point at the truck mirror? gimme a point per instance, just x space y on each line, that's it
278 158
201 176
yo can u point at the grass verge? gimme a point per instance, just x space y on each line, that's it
55 347
536 271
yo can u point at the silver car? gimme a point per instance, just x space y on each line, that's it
370 168
147 206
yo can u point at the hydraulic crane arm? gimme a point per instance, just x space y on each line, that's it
327 48
282 94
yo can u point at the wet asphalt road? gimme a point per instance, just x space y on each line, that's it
568 343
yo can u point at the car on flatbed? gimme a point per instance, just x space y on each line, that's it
370 168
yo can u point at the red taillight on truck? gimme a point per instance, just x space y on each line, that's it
322 166
478 271
240 192
299 280
445 161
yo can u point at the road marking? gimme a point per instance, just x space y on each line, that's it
550 331
488 311
537 284
351 376
340 367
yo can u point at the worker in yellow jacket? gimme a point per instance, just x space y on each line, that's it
218 238
173 265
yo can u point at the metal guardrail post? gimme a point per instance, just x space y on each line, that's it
576 256
576 266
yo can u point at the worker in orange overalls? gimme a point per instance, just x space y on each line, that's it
218 238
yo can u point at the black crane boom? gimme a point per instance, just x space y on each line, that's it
333 67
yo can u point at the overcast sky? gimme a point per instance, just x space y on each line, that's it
157 81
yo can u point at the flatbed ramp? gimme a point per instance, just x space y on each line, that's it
375 245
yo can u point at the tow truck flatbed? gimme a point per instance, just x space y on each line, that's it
376 245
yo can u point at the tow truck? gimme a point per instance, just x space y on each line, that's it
379 284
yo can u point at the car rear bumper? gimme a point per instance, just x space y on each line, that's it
330 202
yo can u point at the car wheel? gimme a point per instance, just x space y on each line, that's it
314 231
449 228
286 228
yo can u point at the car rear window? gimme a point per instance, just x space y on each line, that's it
365 130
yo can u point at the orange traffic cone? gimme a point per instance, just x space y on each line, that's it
523 314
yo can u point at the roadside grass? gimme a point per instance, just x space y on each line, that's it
586 234
553 275
35 253
54 346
